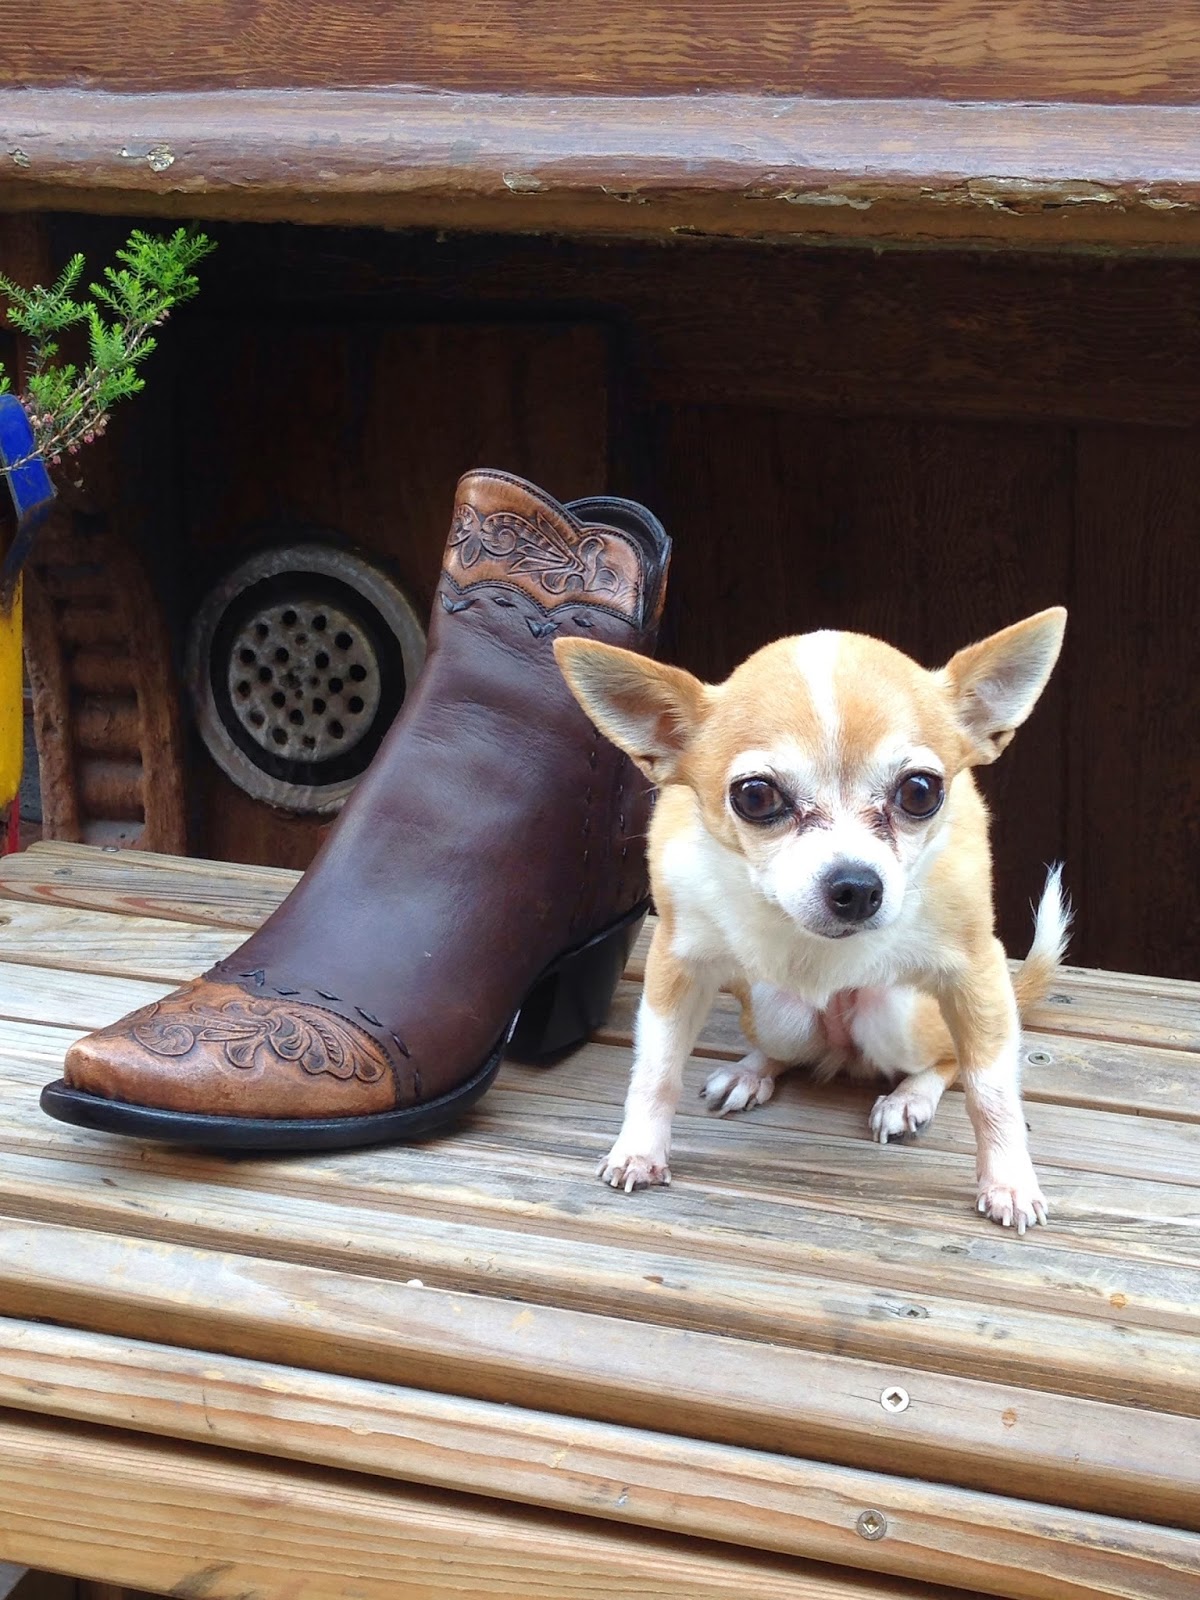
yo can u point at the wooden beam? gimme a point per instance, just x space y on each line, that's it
1114 1459
177 1519
1045 176
621 1475
951 49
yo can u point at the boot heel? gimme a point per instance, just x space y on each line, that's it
569 1002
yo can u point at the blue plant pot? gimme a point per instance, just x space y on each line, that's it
29 490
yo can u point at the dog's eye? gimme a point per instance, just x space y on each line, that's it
920 794
758 800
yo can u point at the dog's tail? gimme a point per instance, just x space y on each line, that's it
1051 929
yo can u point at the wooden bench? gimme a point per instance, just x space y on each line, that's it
808 1370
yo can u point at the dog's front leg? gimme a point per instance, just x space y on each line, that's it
676 999
981 1013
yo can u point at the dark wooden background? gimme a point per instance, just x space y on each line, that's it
924 446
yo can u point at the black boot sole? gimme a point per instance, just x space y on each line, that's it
568 1001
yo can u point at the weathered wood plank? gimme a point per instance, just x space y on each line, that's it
834 1296
27 1048
217 894
624 1475
822 1274
180 1519
1118 1006
76 1000
745 1177
1162 1013
811 1139
825 47
966 1431
740 166
94 965
1083 1140
735 165
1075 1138
73 940
1060 1068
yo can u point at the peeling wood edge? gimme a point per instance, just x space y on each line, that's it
1048 176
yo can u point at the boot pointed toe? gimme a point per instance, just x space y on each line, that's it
213 1049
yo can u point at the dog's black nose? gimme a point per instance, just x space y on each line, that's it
853 893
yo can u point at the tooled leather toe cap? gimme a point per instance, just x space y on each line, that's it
212 1048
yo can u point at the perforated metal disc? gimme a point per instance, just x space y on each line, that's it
299 660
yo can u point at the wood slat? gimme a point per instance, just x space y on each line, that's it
73 940
84 966
744 1177
42 981
218 894
902 1217
1059 1068
1089 1144
869 1303
733 165
1074 1138
1119 1006
1160 1013
79 1001
623 1475
965 1431
187 1521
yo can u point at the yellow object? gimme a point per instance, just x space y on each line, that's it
12 727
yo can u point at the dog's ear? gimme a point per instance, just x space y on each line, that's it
995 684
649 710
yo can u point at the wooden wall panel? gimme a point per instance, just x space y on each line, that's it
1134 750
927 534
951 49
362 430
835 332
832 331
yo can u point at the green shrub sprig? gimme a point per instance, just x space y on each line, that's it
68 405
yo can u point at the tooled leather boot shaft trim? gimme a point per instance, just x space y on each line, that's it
545 554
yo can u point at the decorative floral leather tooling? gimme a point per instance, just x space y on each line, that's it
552 562
253 1031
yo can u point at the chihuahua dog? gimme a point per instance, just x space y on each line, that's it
820 848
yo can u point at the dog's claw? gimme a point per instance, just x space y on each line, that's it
730 1089
901 1114
627 1173
1017 1204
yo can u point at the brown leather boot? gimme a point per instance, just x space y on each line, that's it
483 884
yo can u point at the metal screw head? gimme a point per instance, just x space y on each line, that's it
894 1398
1038 1058
872 1524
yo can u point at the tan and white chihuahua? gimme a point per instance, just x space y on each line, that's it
819 847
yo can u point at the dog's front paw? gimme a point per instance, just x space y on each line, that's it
907 1110
1013 1200
621 1170
737 1089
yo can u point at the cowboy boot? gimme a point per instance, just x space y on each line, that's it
483 884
